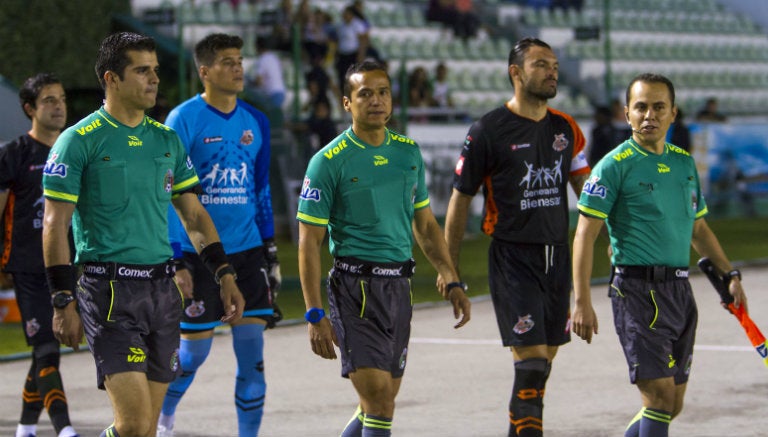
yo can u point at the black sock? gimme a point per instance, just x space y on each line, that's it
32 403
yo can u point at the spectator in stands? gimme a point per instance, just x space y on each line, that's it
319 83
678 133
419 89
358 10
441 91
710 112
283 25
442 12
317 35
352 44
467 22
267 77
604 135
620 122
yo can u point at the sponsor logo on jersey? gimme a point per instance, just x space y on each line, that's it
467 142
381 271
208 140
246 139
541 186
195 309
560 143
524 324
515 147
592 188
95 124
309 193
225 186
662 168
401 138
32 327
137 355
626 153
168 181
135 273
156 123
459 166
91 269
134 141
379 160
52 168
330 153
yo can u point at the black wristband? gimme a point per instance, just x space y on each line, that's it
459 284
735 273
60 277
213 256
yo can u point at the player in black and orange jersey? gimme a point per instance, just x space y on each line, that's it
524 154
22 160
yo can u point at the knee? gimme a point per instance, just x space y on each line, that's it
134 426
47 355
677 408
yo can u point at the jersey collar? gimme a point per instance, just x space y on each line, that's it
644 152
362 144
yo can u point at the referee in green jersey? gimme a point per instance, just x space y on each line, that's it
113 175
647 192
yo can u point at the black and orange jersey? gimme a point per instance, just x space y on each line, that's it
21 171
523 167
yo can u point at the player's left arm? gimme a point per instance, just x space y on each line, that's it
707 245
429 237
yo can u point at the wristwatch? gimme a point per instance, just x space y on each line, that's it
224 271
314 315
61 299
459 284
735 273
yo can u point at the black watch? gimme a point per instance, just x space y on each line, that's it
224 271
61 299
314 315
459 284
735 273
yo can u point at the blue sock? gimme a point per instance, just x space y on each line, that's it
655 423
633 429
192 355
354 427
374 426
250 385
110 432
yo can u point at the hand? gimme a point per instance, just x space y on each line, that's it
231 299
184 281
584 321
322 338
67 326
461 306
441 283
739 298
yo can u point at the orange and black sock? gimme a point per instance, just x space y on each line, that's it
526 405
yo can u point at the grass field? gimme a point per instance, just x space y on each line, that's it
742 239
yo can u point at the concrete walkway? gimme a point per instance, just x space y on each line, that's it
457 383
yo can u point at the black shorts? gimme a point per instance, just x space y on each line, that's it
530 288
132 325
205 310
371 316
656 325
34 302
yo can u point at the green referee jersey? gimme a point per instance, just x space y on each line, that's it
121 180
649 203
366 195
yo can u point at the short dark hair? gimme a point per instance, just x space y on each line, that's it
517 54
30 91
361 67
206 48
652 78
112 53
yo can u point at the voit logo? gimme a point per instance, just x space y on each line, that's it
137 355
134 141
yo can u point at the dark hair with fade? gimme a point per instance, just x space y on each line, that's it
362 67
112 53
517 54
206 48
652 78
30 91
